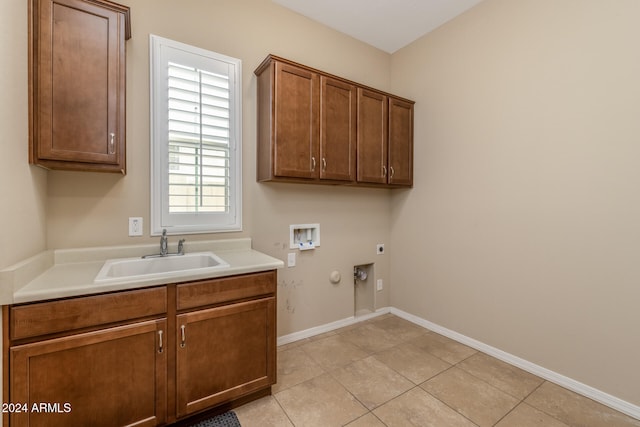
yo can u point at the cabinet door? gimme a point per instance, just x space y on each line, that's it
78 85
372 137
224 353
112 377
400 142
296 120
337 130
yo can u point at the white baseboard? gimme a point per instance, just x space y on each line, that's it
566 382
317 330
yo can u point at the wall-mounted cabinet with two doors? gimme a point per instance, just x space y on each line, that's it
317 128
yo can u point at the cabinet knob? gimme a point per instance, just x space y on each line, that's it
112 143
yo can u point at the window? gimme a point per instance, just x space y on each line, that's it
195 139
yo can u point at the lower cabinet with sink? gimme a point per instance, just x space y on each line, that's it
142 357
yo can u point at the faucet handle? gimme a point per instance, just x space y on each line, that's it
181 246
164 232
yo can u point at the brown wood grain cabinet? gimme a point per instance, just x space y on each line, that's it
296 130
115 376
314 127
289 122
77 84
385 139
104 356
337 130
142 357
226 340
372 136
224 353
400 161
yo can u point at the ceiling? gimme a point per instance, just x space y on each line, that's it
386 24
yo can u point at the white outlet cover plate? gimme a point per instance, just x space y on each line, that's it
291 259
135 226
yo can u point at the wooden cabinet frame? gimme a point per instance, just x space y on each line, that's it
349 134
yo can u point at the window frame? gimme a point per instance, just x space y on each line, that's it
161 51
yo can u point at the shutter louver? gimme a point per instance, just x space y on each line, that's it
199 132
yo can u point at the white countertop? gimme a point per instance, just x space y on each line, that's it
71 272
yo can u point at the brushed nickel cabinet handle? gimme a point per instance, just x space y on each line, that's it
384 170
324 164
313 164
391 171
112 143
184 338
161 345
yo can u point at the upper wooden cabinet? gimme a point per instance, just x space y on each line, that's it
372 136
318 128
77 84
385 139
337 130
296 136
400 161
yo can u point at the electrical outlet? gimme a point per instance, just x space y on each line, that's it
379 284
291 259
135 226
380 248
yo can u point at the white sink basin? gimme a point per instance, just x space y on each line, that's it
173 265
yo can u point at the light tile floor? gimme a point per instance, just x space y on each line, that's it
390 372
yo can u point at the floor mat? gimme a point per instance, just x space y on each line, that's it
228 419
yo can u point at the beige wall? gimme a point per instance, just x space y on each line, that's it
92 209
22 187
523 229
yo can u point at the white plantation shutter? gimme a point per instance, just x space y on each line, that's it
195 139
198 140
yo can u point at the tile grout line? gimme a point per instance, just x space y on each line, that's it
426 331
408 340
540 409
449 406
368 354
284 410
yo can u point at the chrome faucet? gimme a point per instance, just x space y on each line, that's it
164 247
164 243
